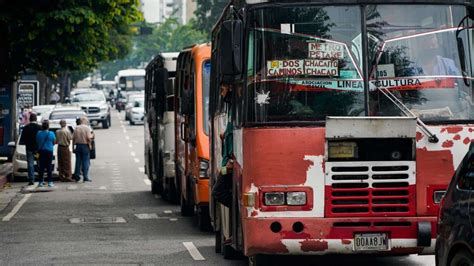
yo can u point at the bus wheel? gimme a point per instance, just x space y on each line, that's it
259 260
155 187
227 250
217 244
204 220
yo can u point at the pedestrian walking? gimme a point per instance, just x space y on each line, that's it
45 140
64 138
28 138
82 139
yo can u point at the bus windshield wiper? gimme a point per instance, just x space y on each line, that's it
406 111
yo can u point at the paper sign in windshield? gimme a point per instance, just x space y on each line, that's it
285 68
325 50
311 67
325 68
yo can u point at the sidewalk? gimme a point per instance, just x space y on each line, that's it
5 170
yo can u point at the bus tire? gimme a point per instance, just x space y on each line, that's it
462 257
204 219
217 239
259 260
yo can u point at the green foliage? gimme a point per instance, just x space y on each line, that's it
207 14
62 35
169 36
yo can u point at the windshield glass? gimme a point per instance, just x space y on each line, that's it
422 55
139 103
206 76
302 64
88 97
133 83
66 115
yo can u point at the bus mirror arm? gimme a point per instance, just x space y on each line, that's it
406 111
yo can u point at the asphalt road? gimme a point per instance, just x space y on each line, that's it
116 220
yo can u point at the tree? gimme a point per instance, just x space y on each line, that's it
170 36
207 13
51 36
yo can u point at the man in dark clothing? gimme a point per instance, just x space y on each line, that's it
28 138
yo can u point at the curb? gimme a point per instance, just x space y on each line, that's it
5 170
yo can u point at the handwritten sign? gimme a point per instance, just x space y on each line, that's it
314 67
325 50
285 68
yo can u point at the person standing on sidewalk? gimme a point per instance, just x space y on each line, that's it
45 140
82 140
64 138
28 138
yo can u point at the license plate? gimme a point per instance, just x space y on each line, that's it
342 150
371 242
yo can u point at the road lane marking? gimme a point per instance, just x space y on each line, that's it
16 208
136 160
147 181
127 137
103 188
173 219
130 145
133 154
146 216
193 251
141 169
167 211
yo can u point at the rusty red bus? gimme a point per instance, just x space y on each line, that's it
346 122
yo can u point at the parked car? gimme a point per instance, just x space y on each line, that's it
131 102
93 102
42 110
455 240
137 112
69 114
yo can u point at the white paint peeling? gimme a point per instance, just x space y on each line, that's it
459 148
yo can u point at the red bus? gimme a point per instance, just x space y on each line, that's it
343 122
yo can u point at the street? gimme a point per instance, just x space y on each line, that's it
115 219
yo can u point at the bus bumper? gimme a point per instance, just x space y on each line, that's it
319 236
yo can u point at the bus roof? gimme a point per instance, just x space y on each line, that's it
131 72
170 61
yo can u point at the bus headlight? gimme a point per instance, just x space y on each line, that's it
203 167
438 196
274 198
296 198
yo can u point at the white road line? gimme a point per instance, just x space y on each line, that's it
127 137
103 188
130 145
193 251
16 208
136 160
133 154
168 211
141 169
147 181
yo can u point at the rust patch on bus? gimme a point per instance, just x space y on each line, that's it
314 245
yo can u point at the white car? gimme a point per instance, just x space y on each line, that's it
19 156
42 110
137 112
130 103
95 106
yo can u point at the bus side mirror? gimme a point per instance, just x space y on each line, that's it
230 44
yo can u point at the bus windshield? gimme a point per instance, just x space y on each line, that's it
424 60
133 83
304 63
